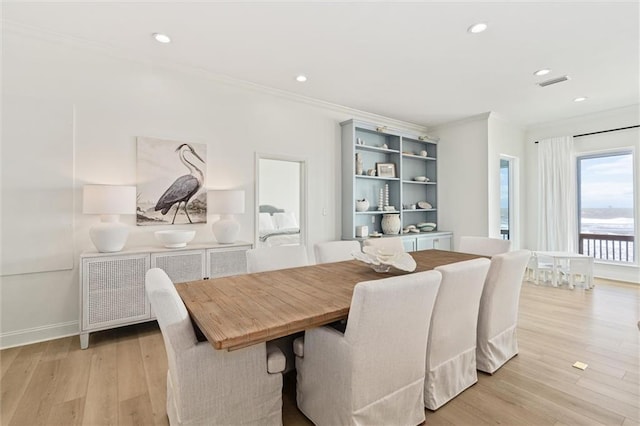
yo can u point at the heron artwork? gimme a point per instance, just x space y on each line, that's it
184 187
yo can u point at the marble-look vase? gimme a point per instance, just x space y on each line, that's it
359 166
390 224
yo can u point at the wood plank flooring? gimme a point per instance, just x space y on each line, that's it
121 378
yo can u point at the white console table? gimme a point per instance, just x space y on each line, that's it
112 292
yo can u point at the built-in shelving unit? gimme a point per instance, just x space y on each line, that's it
412 156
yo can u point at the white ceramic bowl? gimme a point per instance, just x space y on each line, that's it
175 238
420 178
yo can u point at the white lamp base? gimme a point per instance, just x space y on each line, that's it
226 230
109 237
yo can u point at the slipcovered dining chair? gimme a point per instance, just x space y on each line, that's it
392 244
273 258
374 372
207 386
335 251
451 347
497 342
483 246
270 259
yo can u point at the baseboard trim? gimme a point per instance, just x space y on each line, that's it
38 334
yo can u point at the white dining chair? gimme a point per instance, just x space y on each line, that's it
373 374
335 251
390 244
207 386
581 268
273 258
497 341
483 246
451 348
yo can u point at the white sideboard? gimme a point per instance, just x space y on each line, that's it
112 292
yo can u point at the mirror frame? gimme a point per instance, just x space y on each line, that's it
303 194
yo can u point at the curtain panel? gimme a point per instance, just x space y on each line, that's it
557 216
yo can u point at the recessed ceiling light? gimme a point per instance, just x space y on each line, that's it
477 28
161 38
580 99
301 78
543 71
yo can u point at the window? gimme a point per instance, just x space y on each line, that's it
606 206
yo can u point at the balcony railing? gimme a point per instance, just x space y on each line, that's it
617 248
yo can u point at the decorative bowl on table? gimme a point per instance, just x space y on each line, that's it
382 261
175 238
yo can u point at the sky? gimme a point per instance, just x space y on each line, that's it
607 181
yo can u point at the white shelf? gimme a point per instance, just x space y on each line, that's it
418 210
375 177
418 157
376 149
419 183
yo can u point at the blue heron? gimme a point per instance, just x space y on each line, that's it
184 187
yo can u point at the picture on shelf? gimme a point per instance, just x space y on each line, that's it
386 170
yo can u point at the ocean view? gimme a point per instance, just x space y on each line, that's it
613 221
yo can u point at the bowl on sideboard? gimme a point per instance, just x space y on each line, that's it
175 238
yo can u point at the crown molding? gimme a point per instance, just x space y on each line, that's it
44 35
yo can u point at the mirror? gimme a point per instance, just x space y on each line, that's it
280 201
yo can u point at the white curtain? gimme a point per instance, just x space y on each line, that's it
557 217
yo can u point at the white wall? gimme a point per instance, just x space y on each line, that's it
621 117
462 177
116 99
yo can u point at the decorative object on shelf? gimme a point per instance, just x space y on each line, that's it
389 208
385 146
362 205
371 172
359 167
381 200
426 226
390 223
165 193
381 129
386 195
382 261
409 206
424 205
421 179
429 138
109 201
175 238
423 153
387 170
362 231
360 141
375 234
226 203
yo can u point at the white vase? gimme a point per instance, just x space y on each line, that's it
362 205
390 224
359 166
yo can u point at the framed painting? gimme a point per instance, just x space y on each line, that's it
171 182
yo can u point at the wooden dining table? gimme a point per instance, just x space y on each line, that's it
238 311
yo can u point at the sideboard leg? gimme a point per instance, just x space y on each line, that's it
84 340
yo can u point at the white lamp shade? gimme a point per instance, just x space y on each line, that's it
108 199
226 201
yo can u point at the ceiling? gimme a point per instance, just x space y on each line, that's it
412 61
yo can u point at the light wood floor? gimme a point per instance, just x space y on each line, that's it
120 379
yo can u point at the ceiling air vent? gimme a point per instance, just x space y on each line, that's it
553 81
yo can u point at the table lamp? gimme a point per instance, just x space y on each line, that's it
109 201
226 203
